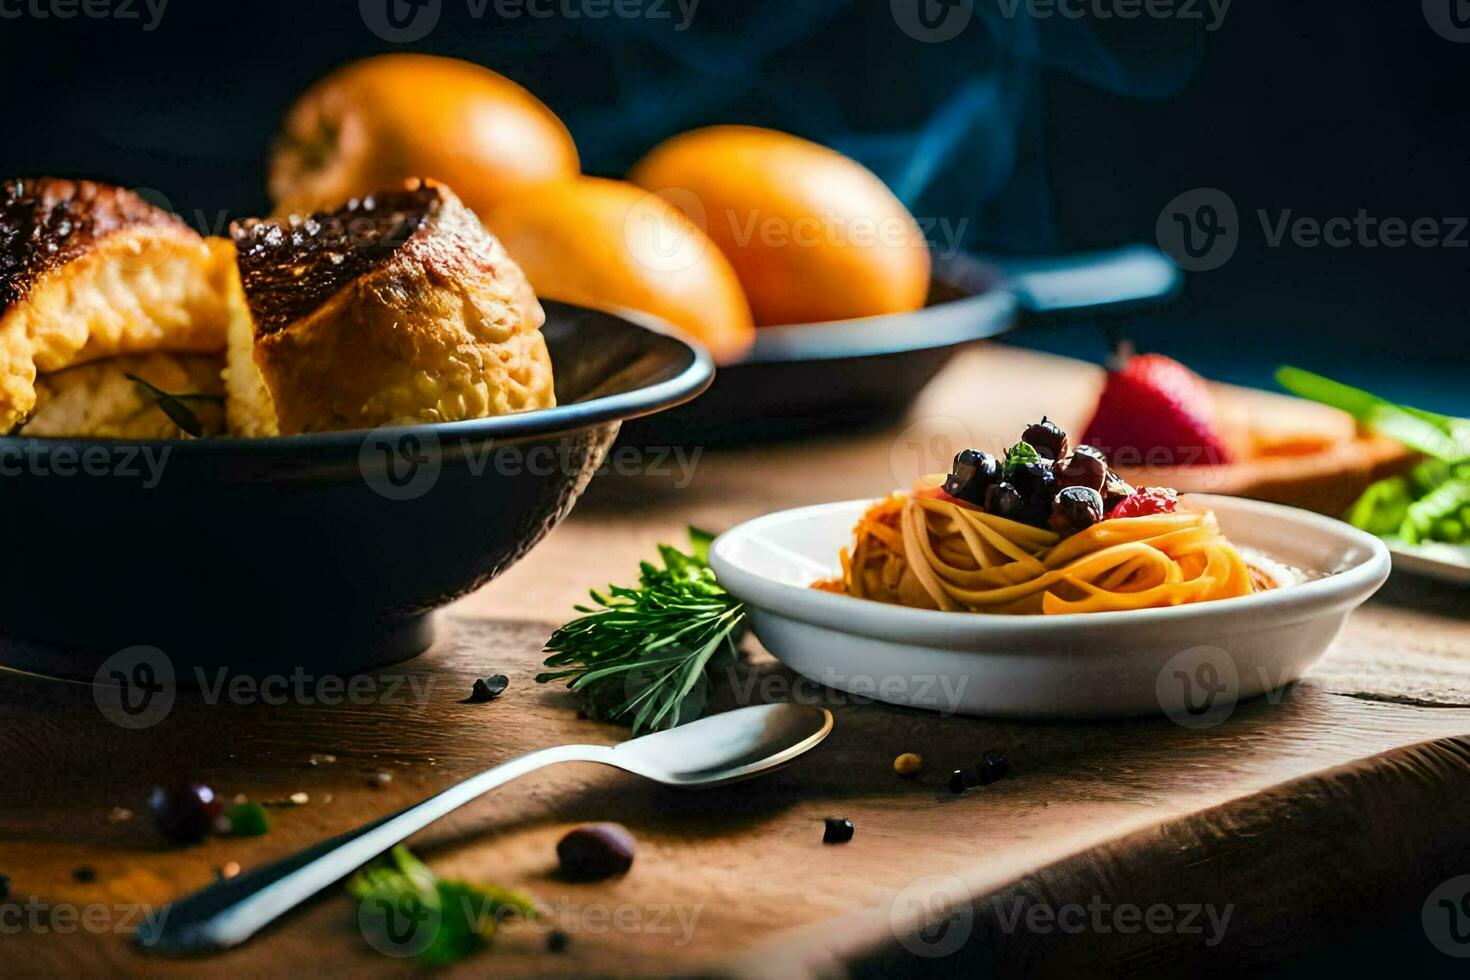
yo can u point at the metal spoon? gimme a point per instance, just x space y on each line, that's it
720 749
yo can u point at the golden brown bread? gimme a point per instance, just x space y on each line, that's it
89 271
396 307
101 400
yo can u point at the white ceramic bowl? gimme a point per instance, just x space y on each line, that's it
1190 662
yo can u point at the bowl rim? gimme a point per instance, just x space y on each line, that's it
992 294
688 384
1348 586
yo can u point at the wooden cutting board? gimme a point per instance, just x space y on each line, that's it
1311 814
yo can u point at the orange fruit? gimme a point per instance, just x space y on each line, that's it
813 235
611 245
375 123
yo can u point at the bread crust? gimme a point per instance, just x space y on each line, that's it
398 306
89 271
46 222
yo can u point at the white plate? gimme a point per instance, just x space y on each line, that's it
1433 559
1190 662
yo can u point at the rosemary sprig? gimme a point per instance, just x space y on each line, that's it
172 405
637 654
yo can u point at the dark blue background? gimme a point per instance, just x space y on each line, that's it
1046 134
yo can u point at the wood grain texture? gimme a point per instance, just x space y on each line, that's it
1283 807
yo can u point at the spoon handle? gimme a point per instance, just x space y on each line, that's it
231 911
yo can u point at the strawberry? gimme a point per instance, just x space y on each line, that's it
1146 501
1155 411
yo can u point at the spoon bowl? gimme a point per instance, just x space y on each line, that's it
725 748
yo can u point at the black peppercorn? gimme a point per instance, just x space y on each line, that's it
487 689
838 831
992 768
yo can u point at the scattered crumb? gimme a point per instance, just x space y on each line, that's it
295 799
228 870
321 758
380 779
119 814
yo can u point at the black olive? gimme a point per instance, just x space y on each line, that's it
1115 491
1034 480
1038 488
972 474
1076 509
1004 500
1084 468
184 815
84 874
1046 438
992 768
598 850
837 831
959 781
557 941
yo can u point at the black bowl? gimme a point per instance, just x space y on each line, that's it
808 378
325 551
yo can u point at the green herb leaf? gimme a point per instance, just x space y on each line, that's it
1433 502
248 819
1436 512
640 653
173 405
409 908
1020 454
1434 435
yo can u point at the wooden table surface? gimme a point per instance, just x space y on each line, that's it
1127 847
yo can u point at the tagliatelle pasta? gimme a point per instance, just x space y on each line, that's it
927 550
